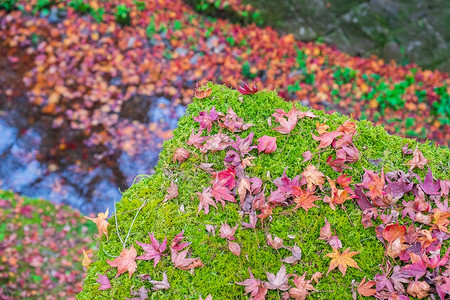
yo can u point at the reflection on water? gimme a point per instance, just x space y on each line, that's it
33 162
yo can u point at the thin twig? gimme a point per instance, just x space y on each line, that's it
117 225
108 253
132 223
345 210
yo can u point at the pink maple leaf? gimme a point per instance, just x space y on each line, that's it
154 250
267 144
244 89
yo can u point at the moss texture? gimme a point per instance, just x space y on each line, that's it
221 268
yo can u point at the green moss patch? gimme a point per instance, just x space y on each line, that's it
222 269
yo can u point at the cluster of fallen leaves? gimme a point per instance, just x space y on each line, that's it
126 261
87 74
413 265
40 249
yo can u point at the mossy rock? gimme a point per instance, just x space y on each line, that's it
221 268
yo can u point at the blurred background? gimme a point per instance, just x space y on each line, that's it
89 90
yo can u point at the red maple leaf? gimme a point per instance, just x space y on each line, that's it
244 89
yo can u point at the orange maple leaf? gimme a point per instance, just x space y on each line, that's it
102 224
342 260
365 288
305 199
125 262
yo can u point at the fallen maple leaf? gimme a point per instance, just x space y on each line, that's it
287 125
125 262
206 200
279 281
202 92
276 242
160 285
418 289
342 260
172 192
267 144
104 282
226 232
142 294
209 297
313 177
221 193
154 250
254 286
296 255
394 231
326 139
244 89
418 160
234 248
305 199
321 128
206 119
197 139
180 261
325 231
180 155
347 127
316 276
102 224
307 155
365 288
176 245
302 287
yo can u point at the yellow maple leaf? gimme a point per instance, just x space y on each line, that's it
342 260
102 224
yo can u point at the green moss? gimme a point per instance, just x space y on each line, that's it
221 268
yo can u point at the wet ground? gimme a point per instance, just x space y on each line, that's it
34 162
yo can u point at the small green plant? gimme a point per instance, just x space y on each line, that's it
246 70
122 14
42 6
140 5
98 14
8 5
80 6
177 25
151 28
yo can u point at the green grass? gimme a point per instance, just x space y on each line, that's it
221 268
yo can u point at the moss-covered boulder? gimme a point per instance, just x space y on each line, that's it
144 210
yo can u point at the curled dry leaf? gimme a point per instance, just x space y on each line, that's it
86 262
321 128
160 285
307 156
418 289
267 144
234 248
244 89
316 276
125 262
202 92
104 282
276 242
180 155
172 192
418 160
313 177
102 224
296 255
